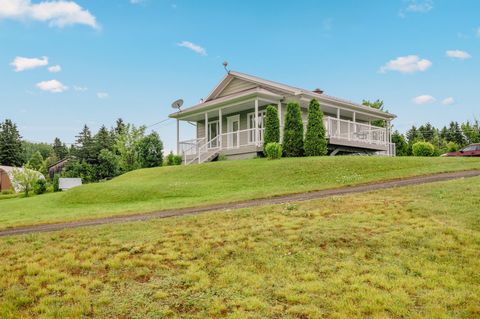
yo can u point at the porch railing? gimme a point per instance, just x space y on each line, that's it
352 131
199 150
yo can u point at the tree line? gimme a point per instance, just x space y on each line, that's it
94 156
449 138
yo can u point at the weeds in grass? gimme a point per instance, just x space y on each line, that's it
408 252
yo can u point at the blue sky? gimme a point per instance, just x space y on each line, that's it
65 63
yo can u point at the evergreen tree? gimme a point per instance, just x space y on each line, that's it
272 126
10 144
103 140
428 132
293 131
120 127
454 134
85 148
315 139
414 135
59 149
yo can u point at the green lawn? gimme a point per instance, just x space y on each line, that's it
400 253
182 186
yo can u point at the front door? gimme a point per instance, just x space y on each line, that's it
212 134
233 127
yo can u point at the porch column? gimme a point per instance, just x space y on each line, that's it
206 127
220 127
257 135
178 137
280 121
338 113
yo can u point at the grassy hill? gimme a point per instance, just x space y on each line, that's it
408 252
182 186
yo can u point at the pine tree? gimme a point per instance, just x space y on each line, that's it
85 148
103 140
59 149
10 144
120 127
272 126
315 139
293 131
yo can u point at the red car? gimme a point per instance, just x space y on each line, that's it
470 150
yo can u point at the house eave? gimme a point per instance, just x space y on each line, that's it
223 101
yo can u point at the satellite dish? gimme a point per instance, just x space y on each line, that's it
177 104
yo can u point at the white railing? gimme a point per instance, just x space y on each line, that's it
352 131
197 150
190 147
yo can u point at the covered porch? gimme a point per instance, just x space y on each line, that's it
235 127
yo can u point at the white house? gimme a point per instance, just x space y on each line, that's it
226 120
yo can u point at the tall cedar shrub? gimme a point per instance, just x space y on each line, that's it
272 127
293 131
315 140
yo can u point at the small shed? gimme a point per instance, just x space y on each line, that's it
6 178
67 183
58 167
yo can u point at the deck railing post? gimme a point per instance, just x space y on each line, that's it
256 123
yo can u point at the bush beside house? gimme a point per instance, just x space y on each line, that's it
273 150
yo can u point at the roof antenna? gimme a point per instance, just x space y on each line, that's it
225 64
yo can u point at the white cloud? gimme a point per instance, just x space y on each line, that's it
58 13
416 6
102 95
423 99
52 86
192 46
55 68
448 101
457 54
80 88
407 64
22 64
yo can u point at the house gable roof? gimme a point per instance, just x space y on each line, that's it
237 83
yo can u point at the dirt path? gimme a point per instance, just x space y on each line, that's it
243 204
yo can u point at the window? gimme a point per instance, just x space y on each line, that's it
469 148
251 125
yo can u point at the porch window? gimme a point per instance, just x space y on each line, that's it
251 126
213 131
